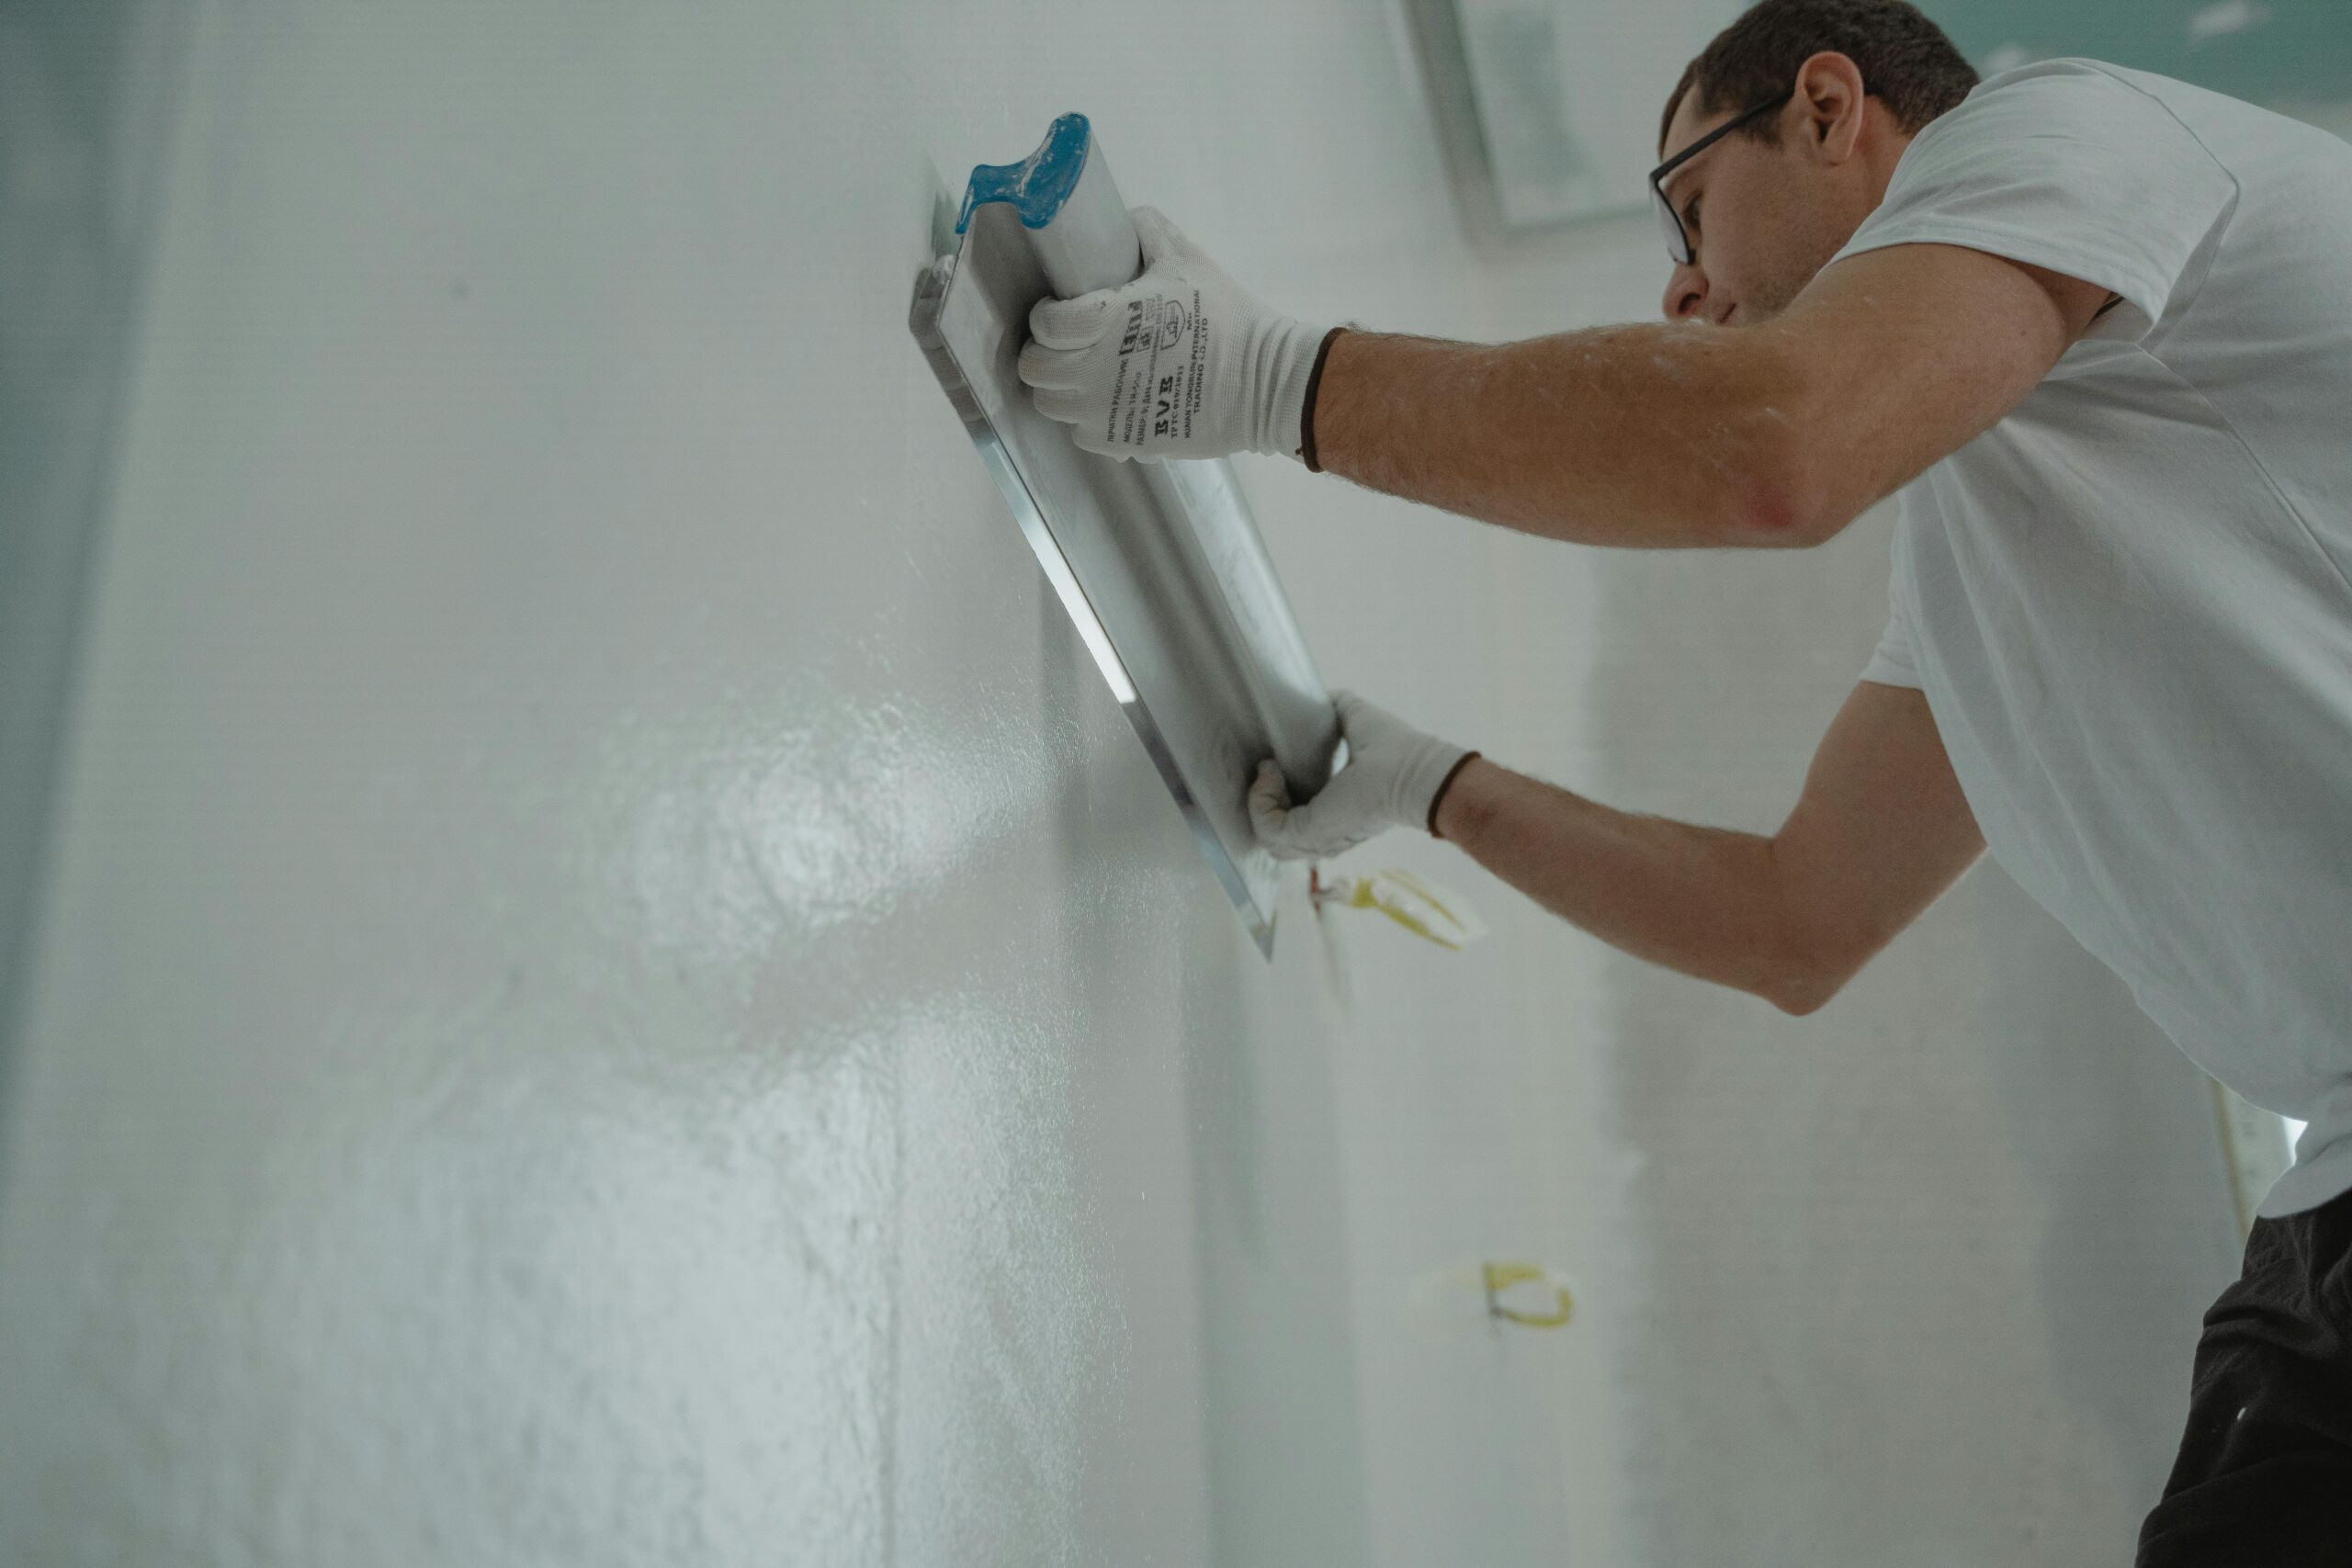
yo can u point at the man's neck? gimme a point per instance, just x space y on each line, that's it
1882 148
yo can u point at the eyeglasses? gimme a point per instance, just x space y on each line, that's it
1677 242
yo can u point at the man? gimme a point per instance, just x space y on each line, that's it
2095 327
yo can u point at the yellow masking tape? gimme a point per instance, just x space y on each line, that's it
1500 1277
1444 917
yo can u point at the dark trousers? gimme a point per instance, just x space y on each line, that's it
2264 1478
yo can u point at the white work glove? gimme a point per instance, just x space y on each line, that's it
1392 779
1181 363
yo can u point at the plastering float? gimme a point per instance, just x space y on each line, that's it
1158 564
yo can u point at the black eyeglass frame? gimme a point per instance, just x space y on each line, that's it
1678 239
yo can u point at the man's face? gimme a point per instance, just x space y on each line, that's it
1762 217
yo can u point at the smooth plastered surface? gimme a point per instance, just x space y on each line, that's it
615 989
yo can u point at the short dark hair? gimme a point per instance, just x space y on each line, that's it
1905 60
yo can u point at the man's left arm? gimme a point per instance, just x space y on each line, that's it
1775 435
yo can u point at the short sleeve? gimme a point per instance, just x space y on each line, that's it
1893 663
2063 166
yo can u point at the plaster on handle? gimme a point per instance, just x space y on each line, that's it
1091 243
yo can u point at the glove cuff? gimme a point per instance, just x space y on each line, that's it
1291 363
1422 778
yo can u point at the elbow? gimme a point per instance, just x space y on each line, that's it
1801 984
1802 994
1780 490
1778 500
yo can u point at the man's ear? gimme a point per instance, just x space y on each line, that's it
1829 104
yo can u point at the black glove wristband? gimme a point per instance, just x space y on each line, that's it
1442 785
1306 411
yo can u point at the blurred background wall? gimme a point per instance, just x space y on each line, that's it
603 982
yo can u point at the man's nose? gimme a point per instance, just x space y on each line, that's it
1686 292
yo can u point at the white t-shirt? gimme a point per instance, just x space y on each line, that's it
2129 603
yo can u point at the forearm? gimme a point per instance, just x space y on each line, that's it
1701 901
1667 436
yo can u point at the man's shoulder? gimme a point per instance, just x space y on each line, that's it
2102 101
2073 88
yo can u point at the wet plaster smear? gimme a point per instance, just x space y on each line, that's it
613 988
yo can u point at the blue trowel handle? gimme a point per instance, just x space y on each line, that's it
1078 221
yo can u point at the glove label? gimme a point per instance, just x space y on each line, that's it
1163 355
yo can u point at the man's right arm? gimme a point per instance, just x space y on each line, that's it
1677 436
1878 832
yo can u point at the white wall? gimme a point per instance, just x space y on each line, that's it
615 990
